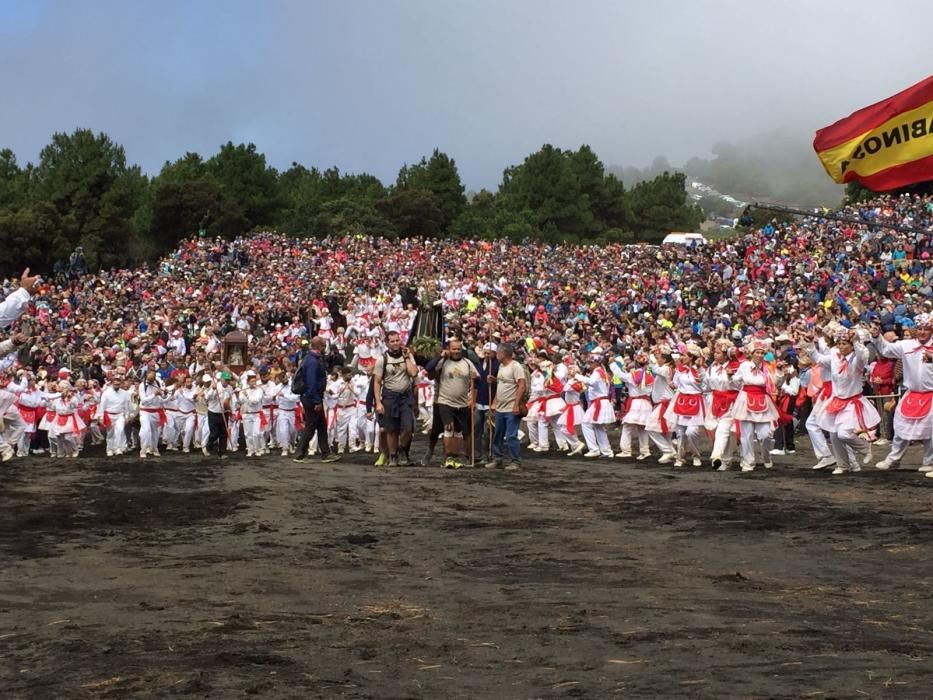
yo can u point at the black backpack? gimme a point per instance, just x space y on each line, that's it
299 385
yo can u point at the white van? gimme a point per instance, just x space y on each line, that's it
691 239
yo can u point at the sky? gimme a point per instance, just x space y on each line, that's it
368 85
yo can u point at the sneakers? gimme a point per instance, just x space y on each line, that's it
513 466
746 467
769 465
825 462
380 460
608 454
299 459
393 462
881 442
494 464
666 458
866 458
329 458
838 470
578 450
539 448
886 463
790 452
356 448
678 463
643 457
697 462
592 453
723 466
778 453
929 475
452 463
205 452
925 469
404 460
624 455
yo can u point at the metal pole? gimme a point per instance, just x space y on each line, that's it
835 217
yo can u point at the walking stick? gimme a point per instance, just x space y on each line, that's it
490 425
472 437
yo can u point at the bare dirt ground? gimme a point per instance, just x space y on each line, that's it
187 577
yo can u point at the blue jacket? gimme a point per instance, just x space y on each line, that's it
315 378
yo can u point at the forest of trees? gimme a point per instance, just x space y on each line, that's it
83 192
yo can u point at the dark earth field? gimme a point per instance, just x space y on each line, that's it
187 577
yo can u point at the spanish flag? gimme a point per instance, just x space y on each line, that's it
886 145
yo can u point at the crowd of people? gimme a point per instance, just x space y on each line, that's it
813 326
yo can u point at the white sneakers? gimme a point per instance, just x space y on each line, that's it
697 462
592 453
624 455
746 467
885 463
578 450
777 452
825 462
666 458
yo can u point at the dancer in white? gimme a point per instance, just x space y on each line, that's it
638 407
661 395
723 392
599 413
754 409
251 398
687 410
849 417
151 415
913 419
112 412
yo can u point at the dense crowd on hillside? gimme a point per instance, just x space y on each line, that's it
596 326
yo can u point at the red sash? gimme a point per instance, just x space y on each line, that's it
630 399
106 422
825 391
596 403
163 419
542 402
836 405
570 422
689 404
757 398
299 418
663 406
28 413
722 401
916 404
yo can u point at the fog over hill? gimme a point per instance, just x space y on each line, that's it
777 166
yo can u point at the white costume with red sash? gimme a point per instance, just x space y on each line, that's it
755 412
847 409
638 405
286 404
724 390
913 417
688 407
112 413
151 418
253 419
599 413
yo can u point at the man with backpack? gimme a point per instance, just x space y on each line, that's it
393 383
309 382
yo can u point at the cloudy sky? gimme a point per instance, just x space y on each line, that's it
368 85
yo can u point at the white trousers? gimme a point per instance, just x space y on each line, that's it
723 440
148 432
899 446
750 431
116 433
848 447
630 430
817 438
252 430
597 439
